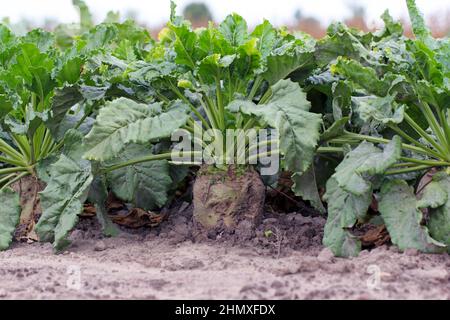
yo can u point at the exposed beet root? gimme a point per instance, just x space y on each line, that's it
226 201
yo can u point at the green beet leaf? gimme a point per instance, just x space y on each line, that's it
98 194
439 224
398 207
124 121
305 186
284 61
146 185
67 190
9 216
344 209
420 29
235 30
288 111
380 109
365 161
434 196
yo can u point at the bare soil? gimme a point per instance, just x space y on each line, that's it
283 259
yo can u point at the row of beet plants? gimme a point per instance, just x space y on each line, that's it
90 109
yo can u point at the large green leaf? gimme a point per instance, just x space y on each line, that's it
67 190
398 207
44 40
281 63
248 60
366 161
9 216
439 224
146 184
124 121
267 36
69 72
344 209
184 44
63 199
235 30
298 129
34 68
341 41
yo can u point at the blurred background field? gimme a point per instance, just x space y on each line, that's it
303 15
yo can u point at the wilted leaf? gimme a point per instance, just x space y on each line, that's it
138 218
376 237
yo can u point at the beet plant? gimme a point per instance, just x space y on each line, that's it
31 70
218 79
389 102
51 86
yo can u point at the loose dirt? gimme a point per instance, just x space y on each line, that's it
283 259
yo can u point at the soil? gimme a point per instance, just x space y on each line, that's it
284 259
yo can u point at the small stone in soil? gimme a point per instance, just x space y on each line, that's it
100 246
325 255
